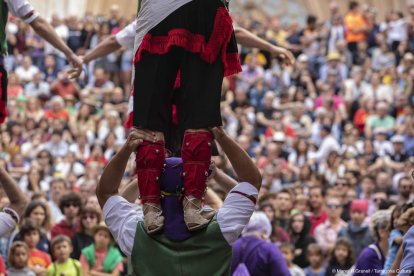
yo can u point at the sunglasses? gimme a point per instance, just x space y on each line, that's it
333 206
70 204
341 184
89 217
379 199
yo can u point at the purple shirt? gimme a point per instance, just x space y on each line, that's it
370 261
260 257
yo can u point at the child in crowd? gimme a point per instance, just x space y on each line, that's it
101 256
61 249
314 255
38 260
288 250
18 260
342 258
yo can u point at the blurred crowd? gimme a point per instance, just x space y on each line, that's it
333 135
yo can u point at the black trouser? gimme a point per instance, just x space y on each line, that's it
3 97
198 99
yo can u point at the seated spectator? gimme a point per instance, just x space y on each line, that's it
61 247
38 260
341 259
19 260
57 110
70 205
27 70
315 257
357 231
89 218
380 120
283 206
57 190
372 258
64 87
317 204
93 258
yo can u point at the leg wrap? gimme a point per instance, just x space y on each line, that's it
196 154
150 162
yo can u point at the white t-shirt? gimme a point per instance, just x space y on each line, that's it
22 9
7 223
122 217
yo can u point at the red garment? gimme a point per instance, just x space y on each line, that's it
315 221
360 118
39 258
65 89
63 228
61 115
2 267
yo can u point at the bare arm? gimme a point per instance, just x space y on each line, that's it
243 165
46 31
130 192
17 199
105 47
250 40
397 262
224 180
112 175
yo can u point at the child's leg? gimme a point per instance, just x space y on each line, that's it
198 110
153 85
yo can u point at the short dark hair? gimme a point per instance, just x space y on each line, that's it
323 191
314 247
287 246
402 179
58 240
27 228
70 197
353 5
311 19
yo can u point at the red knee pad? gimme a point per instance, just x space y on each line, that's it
196 154
3 111
150 159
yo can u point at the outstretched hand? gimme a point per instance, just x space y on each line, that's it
137 136
218 132
77 63
285 55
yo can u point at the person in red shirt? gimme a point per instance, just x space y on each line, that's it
317 202
64 87
38 260
70 204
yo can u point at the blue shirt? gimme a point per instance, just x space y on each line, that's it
407 263
308 272
392 251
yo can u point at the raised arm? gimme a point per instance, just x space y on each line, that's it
250 40
243 165
112 175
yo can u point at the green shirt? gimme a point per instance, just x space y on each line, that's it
376 122
69 268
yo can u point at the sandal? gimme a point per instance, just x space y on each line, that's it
153 219
196 217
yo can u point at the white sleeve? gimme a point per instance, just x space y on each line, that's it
236 211
126 37
7 223
122 218
22 9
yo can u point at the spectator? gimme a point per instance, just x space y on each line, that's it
57 110
357 231
37 87
300 234
90 218
19 260
27 70
284 204
327 232
63 265
314 255
372 258
57 190
93 257
356 27
69 204
317 200
288 253
341 258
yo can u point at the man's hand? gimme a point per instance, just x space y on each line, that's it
286 56
77 63
136 137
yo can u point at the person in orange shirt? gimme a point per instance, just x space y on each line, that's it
356 28
57 110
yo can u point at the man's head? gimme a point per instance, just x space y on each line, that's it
70 205
405 187
353 6
342 185
284 201
57 189
334 208
368 185
382 109
316 197
383 181
398 143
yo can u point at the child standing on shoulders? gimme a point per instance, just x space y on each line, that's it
38 260
342 259
101 257
61 249
18 260
314 255
288 251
